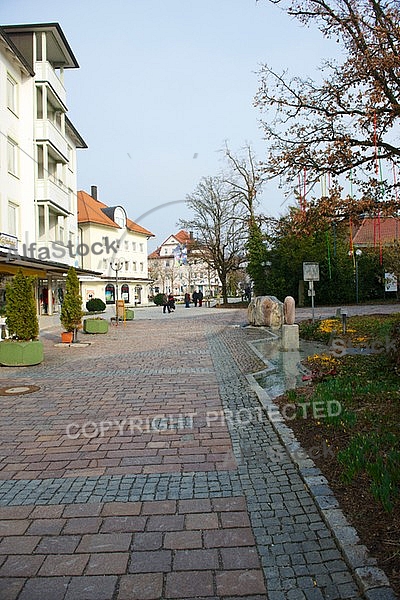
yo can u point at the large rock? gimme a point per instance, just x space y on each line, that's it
265 311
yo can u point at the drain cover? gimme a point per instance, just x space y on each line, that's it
18 390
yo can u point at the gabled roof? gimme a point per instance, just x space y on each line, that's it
92 211
182 237
383 230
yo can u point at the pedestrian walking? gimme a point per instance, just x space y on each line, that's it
171 302
165 304
200 298
187 300
195 297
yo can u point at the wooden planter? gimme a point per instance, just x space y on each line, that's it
95 326
14 353
129 314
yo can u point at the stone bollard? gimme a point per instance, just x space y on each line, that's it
290 331
289 310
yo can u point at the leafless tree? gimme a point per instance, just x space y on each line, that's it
219 229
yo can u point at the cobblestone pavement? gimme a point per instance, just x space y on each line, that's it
143 467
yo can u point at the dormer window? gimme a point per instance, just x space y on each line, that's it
120 217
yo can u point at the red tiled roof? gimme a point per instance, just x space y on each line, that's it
91 211
384 230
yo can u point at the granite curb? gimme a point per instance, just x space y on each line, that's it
372 580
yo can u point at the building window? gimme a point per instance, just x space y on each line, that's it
110 293
39 102
126 265
12 219
140 247
141 267
125 292
12 94
12 157
134 246
126 243
134 265
40 162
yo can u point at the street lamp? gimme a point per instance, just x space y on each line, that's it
116 266
357 255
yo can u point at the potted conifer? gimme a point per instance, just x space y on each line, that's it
23 348
71 310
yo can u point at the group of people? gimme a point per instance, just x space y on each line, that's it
168 302
197 298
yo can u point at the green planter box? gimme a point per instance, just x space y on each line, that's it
95 326
21 354
129 314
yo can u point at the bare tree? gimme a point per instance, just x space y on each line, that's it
218 226
346 123
244 179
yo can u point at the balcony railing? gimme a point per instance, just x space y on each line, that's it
45 72
50 189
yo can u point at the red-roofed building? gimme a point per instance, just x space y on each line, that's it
177 268
117 247
376 232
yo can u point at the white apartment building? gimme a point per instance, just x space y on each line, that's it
116 246
175 267
38 144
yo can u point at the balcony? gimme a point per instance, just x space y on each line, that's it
45 130
50 190
45 72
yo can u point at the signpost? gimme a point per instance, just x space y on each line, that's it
311 274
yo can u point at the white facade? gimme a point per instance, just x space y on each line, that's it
17 167
38 143
113 244
177 268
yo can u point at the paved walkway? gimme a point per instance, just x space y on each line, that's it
140 468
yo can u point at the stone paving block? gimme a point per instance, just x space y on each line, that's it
44 588
63 565
82 525
21 565
240 583
91 588
10 587
201 521
228 538
146 586
113 563
46 527
105 542
90 509
165 523
60 544
114 509
190 560
189 584
19 544
150 562
12 527
239 558
181 540
123 523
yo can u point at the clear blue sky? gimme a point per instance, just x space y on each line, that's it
162 85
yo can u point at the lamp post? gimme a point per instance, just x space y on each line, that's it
357 255
116 266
